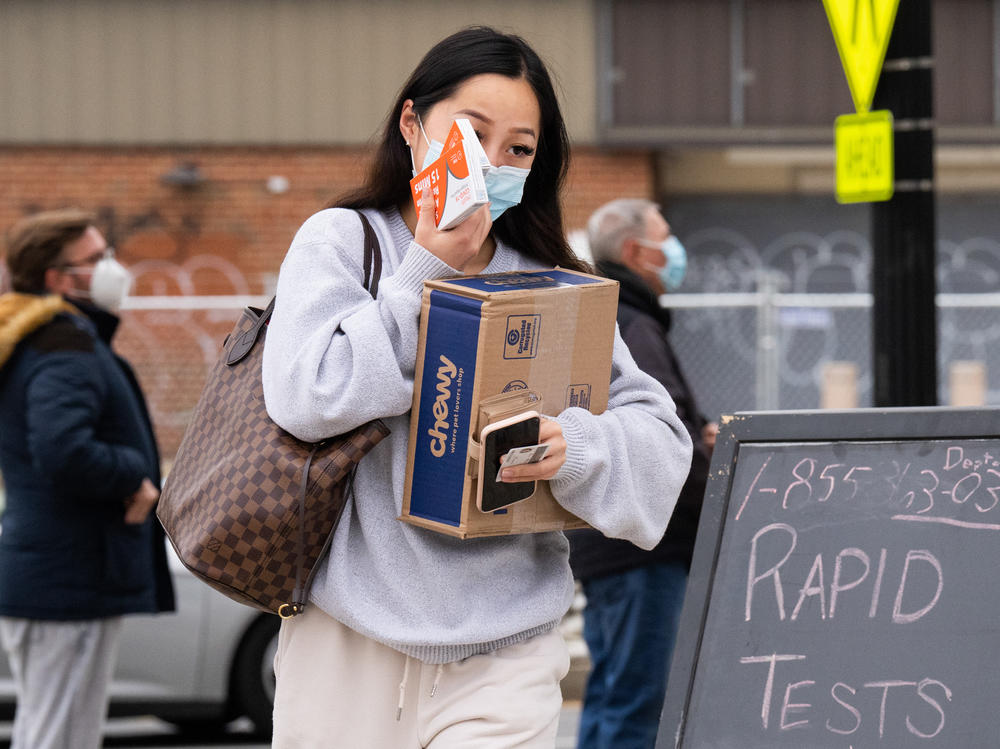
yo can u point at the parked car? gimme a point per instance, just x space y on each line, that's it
199 667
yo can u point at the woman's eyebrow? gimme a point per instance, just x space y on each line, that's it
477 115
488 121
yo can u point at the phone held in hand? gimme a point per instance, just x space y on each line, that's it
497 440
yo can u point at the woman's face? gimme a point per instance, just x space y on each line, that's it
503 111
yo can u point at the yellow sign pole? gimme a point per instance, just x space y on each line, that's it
873 165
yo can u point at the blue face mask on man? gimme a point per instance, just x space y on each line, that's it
504 184
672 274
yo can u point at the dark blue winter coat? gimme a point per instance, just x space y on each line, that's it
75 442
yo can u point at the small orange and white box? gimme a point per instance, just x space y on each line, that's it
462 129
455 179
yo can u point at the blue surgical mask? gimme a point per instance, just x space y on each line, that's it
504 187
672 274
434 149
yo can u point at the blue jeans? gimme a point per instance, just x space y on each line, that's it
630 625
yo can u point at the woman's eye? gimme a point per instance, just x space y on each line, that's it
480 136
522 150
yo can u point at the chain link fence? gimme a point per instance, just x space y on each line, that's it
764 350
771 351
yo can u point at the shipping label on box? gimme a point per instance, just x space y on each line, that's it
550 332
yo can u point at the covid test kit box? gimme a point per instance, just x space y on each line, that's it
482 338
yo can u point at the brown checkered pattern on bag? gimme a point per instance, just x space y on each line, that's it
230 505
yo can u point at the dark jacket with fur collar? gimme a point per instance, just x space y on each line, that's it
644 326
75 441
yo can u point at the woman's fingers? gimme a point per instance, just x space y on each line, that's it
549 433
456 246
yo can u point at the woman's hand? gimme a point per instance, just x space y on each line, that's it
456 246
549 433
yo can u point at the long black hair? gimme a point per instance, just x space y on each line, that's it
535 226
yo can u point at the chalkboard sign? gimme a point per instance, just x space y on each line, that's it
845 587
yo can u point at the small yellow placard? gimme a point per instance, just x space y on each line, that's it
864 157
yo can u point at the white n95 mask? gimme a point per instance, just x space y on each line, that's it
110 284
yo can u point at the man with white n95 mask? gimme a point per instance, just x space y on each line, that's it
80 545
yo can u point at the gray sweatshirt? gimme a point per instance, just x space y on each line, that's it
335 358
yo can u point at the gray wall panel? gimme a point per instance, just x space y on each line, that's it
249 71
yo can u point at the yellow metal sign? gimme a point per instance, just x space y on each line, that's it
862 29
864 157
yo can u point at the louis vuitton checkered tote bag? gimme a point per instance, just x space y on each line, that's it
250 509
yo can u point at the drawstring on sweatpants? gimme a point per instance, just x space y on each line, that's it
437 678
402 685
402 689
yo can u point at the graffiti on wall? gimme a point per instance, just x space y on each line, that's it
174 252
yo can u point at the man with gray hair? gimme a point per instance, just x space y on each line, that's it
634 597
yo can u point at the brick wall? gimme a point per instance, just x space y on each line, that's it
224 236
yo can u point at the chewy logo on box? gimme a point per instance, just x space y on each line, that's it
521 341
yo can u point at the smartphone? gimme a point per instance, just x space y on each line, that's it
497 439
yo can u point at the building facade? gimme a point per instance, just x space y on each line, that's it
203 132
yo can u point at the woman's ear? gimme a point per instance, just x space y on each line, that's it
408 124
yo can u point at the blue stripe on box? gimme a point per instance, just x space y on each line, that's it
540 279
445 405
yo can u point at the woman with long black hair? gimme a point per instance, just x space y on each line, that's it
414 638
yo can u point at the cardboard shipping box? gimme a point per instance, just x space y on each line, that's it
549 333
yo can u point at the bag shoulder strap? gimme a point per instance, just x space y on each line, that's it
373 256
373 272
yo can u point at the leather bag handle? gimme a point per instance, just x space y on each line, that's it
373 272
373 257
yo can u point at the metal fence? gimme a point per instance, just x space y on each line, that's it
763 350
769 350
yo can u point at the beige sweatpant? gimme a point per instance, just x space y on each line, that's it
337 688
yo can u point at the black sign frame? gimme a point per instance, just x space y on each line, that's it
746 428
